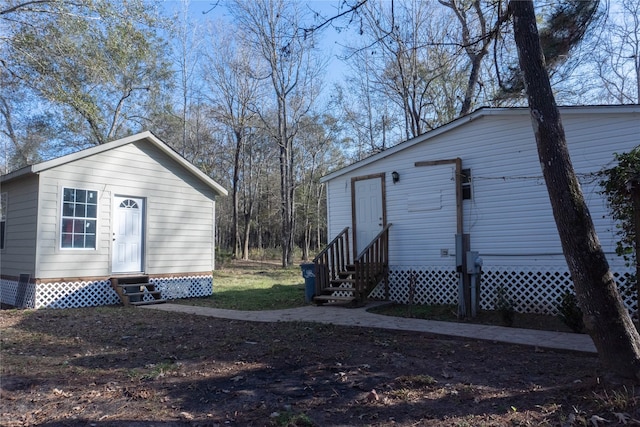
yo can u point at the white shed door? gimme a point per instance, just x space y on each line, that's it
369 217
127 235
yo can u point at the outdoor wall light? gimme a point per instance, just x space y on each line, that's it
395 176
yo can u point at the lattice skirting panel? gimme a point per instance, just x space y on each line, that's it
183 287
17 294
96 292
430 286
540 290
532 290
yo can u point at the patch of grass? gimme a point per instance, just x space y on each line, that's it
289 419
265 285
158 370
411 387
254 286
616 400
417 380
402 394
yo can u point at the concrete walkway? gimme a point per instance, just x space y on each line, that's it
360 317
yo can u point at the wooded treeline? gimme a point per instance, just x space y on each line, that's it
244 90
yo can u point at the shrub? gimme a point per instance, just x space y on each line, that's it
570 313
505 306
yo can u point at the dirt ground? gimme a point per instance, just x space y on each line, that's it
121 366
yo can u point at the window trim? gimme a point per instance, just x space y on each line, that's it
62 217
465 182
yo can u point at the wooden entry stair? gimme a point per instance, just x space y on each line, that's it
132 290
340 281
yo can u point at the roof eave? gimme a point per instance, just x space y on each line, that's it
40 167
481 112
406 144
27 170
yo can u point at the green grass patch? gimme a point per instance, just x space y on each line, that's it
254 286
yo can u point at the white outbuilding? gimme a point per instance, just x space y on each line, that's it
472 192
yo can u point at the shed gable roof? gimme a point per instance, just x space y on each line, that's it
147 136
477 114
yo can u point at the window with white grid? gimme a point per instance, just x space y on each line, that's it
79 219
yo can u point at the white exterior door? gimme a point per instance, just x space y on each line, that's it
127 235
369 214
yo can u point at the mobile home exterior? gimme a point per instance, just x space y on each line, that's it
129 207
476 183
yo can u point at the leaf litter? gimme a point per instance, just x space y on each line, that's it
114 366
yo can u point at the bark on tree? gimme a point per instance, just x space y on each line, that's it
635 198
238 134
605 316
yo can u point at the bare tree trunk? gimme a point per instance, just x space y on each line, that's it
605 316
307 240
247 234
287 181
476 47
319 242
236 196
292 205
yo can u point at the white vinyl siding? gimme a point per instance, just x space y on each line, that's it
509 217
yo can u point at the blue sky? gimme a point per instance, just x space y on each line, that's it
331 41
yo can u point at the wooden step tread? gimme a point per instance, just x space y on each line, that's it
130 280
129 294
134 285
155 301
338 289
332 298
343 281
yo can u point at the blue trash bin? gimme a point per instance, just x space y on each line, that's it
309 274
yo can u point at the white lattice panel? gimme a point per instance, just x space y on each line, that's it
533 290
8 290
538 290
18 295
432 286
98 292
183 287
626 286
75 294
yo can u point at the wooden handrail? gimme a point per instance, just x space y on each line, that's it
369 268
375 239
372 264
332 260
